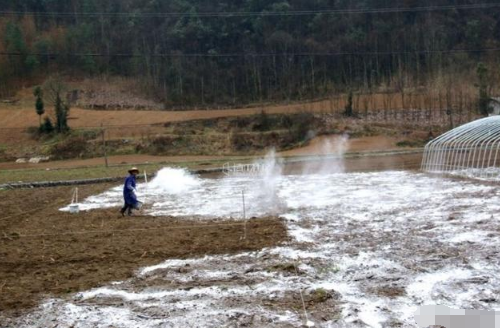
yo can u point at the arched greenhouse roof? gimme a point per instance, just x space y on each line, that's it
470 150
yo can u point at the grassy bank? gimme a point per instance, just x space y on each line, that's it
96 172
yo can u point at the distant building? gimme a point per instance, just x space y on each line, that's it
494 106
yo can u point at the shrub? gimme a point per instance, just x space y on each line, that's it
241 122
209 123
241 142
89 134
349 112
46 127
72 147
262 122
484 99
303 124
162 144
287 121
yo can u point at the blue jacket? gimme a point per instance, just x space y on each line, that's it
128 190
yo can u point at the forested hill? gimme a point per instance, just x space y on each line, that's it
239 51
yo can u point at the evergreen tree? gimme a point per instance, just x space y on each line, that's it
39 105
17 49
55 90
349 112
484 99
62 111
271 54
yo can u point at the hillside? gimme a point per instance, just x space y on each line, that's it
187 53
194 78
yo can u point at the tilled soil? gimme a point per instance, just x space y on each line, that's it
45 252
365 249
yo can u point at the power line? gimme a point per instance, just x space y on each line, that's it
258 14
253 54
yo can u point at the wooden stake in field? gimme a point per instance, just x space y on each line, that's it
146 187
104 145
244 215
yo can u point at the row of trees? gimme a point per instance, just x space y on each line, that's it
200 59
54 90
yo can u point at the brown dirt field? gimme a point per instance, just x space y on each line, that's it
25 117
22 115
45 252
15 120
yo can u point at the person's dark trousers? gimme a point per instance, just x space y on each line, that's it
125 208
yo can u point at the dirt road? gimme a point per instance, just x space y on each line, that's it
12 117
22 115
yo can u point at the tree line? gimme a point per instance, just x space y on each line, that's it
264 50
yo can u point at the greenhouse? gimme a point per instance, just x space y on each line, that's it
471 150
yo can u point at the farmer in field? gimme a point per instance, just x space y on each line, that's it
129 195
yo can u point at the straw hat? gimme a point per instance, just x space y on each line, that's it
134 169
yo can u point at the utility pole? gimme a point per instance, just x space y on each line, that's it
104 145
